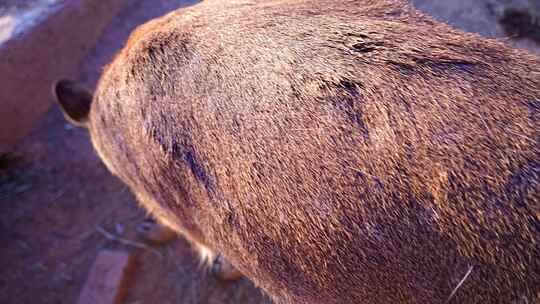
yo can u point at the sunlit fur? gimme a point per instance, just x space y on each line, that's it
334 151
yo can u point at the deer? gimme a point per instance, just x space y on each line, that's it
352 151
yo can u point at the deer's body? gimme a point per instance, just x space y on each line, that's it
334 151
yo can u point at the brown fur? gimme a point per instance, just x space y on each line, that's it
334 151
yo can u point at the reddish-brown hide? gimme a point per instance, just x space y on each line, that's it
333 151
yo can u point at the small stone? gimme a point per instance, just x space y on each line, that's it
108 278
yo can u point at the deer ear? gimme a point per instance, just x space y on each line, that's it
74 100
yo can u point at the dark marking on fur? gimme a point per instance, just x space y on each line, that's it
534 108
446 65
366 47
359 35
417 65
190 158
349 103
524 182
176 150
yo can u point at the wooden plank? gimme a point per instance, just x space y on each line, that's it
108 278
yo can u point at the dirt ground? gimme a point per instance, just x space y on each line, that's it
56 198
